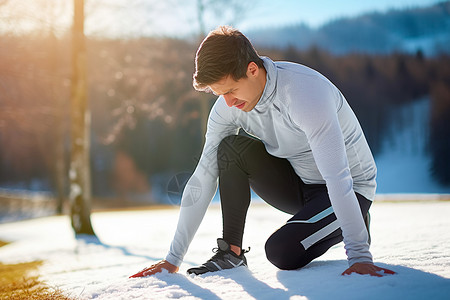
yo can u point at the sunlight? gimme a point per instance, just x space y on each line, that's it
104 18
38 17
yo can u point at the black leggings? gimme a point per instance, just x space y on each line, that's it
243 163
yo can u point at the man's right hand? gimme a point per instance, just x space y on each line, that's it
156 268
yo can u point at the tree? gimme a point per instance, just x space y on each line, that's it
79 173
221 11
32 95
229 11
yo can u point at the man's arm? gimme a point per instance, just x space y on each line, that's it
318 118
199 190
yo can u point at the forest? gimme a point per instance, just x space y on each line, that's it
148 122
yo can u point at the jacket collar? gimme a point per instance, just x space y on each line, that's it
269 89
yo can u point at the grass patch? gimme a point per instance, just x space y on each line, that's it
17 283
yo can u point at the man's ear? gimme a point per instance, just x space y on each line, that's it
252 69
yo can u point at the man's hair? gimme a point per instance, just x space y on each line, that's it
225 51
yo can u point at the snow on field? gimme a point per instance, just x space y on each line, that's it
411 238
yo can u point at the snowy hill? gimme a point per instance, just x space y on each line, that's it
404 162
426 29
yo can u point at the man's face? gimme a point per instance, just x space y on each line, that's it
243 94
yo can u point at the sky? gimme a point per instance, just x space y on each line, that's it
316 13
259 14
128 18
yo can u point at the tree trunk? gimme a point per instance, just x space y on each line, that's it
59 167
79 173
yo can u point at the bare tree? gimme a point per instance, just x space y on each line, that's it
228 12
79 174
224 12
208 13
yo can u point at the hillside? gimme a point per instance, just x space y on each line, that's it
426 29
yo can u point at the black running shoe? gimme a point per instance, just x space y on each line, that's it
223 259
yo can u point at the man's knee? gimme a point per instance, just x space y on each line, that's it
234 144
233 148
226 144
284 253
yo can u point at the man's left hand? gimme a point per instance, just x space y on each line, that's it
367 268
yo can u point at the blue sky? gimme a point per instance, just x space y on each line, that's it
129 18
269 13
316 13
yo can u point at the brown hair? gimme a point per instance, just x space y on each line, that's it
225 51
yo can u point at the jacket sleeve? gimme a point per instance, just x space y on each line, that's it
202 185
317 116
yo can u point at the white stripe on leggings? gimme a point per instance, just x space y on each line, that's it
315 218
318 235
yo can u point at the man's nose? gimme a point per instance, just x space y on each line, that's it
230 100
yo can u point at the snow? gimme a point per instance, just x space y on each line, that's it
404 162
411 238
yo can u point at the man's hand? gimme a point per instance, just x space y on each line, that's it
367 268
156 268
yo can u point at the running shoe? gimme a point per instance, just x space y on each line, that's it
223 259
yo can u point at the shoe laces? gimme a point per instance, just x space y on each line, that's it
220 253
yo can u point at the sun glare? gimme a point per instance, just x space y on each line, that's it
39 17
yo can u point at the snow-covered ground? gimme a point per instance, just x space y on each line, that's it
411 238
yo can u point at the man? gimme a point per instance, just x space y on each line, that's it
309 158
